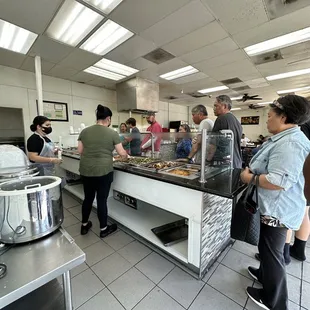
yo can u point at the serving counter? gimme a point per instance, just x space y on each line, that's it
159 199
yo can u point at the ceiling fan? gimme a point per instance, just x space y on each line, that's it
246 97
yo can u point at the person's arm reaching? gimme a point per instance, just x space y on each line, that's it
307 178
120 150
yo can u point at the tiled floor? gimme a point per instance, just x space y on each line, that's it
121 273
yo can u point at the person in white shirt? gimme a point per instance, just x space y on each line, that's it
244 140
200 117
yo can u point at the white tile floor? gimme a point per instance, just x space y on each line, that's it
122 273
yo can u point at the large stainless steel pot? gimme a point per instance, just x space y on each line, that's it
10 173
30 208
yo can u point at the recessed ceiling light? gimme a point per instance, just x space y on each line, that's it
105 6
110 70
264 103
212 90
15 38
288 74
179 73
287 91
236 98
279 42
235 109
73 23
106 38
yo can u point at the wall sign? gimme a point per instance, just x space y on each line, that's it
55 111
77 112
249 120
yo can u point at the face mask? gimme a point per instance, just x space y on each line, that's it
47 130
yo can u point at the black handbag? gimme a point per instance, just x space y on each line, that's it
245 223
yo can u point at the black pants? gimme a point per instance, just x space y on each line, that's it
272 273
99 187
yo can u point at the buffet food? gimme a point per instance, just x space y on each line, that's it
181 172
164 165
136 161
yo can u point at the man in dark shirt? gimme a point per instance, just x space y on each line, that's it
227 121
134 138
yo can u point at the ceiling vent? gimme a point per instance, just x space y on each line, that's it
158 56
231 81
197 95
171 97
267 57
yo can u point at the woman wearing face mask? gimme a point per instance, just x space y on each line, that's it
41 150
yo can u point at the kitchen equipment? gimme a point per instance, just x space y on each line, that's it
182 172
30 208
10 173
172 233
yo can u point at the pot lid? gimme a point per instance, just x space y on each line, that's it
16 172
28 185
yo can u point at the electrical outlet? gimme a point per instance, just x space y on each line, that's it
118 196
131 202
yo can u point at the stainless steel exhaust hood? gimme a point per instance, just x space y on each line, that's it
137 95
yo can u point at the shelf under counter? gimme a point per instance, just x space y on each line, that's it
141 221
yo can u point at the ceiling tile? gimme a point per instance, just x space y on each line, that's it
11 59
201 37
140 64
33 15
190 78
200 84
131 50
102 82
138 15
221 60
274 28
80 59
216 49
277 8
238 15
50 50
61 72
257 83
179 24
28 65
82 77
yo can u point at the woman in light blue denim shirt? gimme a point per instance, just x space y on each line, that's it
279 164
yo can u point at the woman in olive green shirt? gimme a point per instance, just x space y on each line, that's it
96 144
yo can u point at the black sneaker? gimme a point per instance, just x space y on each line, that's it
297 255
108 231
253 272
255 296
86 228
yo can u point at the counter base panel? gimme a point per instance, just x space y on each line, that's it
141 221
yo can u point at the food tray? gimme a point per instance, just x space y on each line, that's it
172 233
191 176
162 165
136 161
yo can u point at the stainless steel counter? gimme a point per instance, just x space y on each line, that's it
34 264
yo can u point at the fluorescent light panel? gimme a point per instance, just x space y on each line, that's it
235 109
111 70
287 91
288 74
265 103
286 40
179 73
105 6
15 38
212 90
236 98
73 23
106 38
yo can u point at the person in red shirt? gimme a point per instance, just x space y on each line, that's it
155 128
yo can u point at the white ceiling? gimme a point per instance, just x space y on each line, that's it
207 34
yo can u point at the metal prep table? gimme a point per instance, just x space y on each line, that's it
31 265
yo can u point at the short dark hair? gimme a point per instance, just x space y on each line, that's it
38 120
103 112
186 127
200 109
295 108
131 121
224 99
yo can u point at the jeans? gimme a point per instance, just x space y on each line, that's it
99 187
272 273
